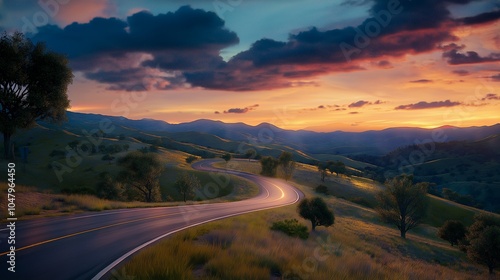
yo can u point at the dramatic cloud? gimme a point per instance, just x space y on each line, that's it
272 64
359 103
241 110
428 105
186 44
421 81
106 48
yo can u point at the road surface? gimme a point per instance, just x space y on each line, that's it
90 245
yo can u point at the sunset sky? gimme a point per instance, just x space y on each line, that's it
351 65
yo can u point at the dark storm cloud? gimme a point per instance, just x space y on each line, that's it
428 105
183 40
186 28
189 42
394 29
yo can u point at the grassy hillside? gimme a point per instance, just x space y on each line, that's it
361 191
358 246
62 161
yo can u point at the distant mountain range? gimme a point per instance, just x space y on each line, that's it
374 142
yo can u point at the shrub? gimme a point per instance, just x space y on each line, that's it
322 189
190 159
452 231
291 228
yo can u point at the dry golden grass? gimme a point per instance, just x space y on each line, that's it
245 248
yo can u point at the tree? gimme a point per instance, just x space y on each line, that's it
33 85
269 166
482 241
108 157
186 184
251 153
402 203
452 231
142 172
287 164
227 157
338 167
322 171
316 211
191 158
108 188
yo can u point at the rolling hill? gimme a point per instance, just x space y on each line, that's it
374 142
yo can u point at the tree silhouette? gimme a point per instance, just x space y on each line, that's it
269 166
482 241
402 203
108 157
251 153
316 211
186 184
338 167
33 85
452 231
142 172
322 170
287 164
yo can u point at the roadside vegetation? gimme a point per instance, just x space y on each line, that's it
356 247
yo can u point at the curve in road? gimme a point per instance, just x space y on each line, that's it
89 246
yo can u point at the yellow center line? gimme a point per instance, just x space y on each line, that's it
86 231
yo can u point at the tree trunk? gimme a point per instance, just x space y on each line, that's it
6 145
490 268
313 224
403 233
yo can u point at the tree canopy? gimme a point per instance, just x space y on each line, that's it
186 184
403 203
269 166
142 172
316 211
482 241
452 231
33 85
287 164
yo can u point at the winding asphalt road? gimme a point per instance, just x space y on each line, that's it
90 245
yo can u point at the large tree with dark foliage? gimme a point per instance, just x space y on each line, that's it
403 203
33 85
142 172
316 211
452 231
269 166
482 241
287 164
